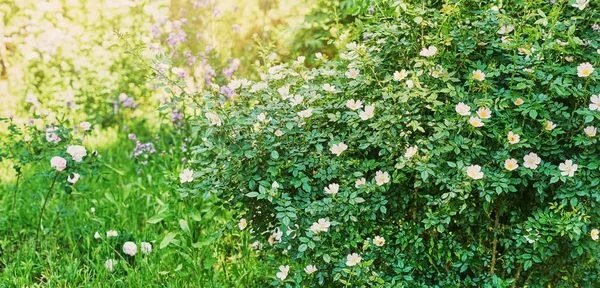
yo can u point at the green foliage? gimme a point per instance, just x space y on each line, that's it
438 186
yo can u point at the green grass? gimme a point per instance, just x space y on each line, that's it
211 253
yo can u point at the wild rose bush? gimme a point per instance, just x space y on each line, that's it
447 145
57 150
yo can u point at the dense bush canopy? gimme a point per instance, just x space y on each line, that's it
449 144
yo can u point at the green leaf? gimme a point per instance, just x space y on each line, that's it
184 225
167 240
533 114
274 155
527 265
252 194
326 258
441 228
302 248
156 218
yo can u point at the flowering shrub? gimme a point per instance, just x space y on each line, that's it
55 148
447 145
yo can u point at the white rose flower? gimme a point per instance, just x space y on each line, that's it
567 168
353 259
58 163
77 152
283 272
333 188
382 177
85 126
462 109
474 171
186 175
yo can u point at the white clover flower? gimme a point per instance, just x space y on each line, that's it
378 241
92 209
585 69
85 126
320 226
353 259
352 73
319 56
594 234
506 29
411 151
531 161
74 179
400 75
278 133
550 125
484 113
329 88
511 164
333 189
595 102
382 178
462 109
519 102
580 4
58 163
109 264
337 149
590 131
567 168
409 84
146 248
474 171
129 248
111 233
77 152
243 224
513 138
368 113
305 113
475 122
354 105
428 52
97 235
186 175
360 182
213 118
478 75
283 272
310 269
